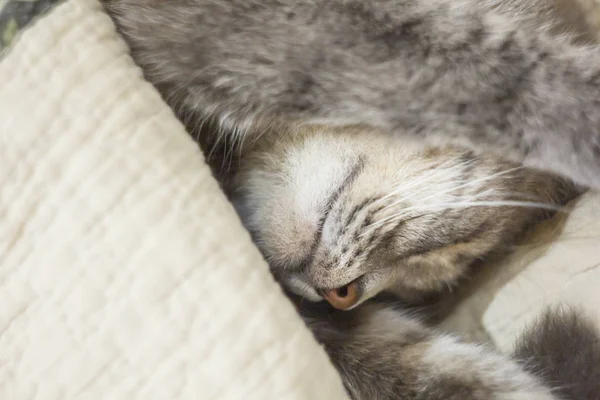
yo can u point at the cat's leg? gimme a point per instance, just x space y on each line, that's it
383 354
441 71
563 346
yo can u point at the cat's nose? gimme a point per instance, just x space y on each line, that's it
342 298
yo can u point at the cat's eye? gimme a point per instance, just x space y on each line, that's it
343 297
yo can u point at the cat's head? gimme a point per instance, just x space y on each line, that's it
348 212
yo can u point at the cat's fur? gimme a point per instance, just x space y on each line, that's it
409 221
559 346
384 213
472 72
398 216
308 217
384 354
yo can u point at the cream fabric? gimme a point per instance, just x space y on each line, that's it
124 272
558 264
567 272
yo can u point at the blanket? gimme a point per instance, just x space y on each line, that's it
124 271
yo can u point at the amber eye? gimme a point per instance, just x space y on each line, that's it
344 297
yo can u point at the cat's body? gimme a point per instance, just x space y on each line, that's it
391 217
384 354
384 214
458 71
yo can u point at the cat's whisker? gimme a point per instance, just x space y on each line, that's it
441 170
395 217
472 202
412 193
487 178
492 203
464 185
406 211
238 143
503 203
419 179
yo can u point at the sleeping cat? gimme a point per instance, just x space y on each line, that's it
380 214
261 84
383 216
491 75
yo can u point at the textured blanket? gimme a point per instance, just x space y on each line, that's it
125 273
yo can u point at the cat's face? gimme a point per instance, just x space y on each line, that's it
346 213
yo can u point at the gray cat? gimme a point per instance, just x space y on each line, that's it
383 216
496 77
484 74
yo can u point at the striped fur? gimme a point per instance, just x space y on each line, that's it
328 205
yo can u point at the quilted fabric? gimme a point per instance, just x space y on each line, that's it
124 272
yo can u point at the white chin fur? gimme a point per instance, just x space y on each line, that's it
297 285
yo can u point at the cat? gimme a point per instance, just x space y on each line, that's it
383 216
477 73
261 84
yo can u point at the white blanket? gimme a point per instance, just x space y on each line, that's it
125 273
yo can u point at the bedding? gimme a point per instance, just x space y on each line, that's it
124 271
558 263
